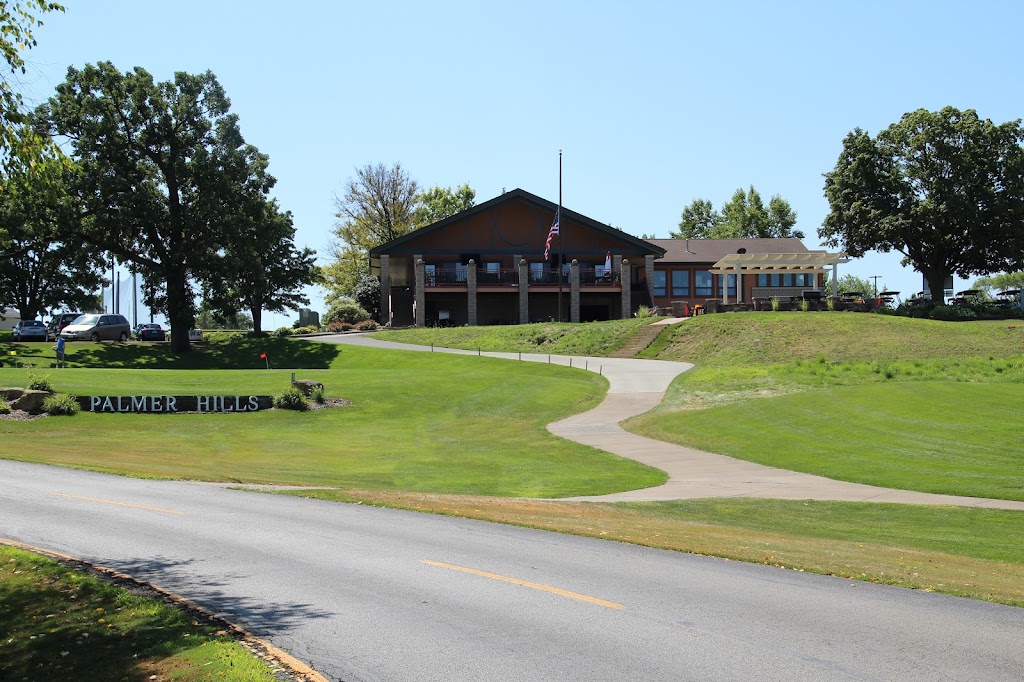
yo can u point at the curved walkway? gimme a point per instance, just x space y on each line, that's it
637 386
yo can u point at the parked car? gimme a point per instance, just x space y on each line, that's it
29 330
149 332
59 321
98 328
195 334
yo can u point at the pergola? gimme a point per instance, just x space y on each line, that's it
756 263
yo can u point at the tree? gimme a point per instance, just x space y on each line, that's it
366 293
260 269
379 205
945 189
438 203
161 165
850 282
17 21
744 216
699 221
990 286
45 267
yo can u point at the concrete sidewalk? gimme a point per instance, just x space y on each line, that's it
637 386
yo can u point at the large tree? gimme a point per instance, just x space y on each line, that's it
744 216
163 168
261 269
45 267
438 203
944 188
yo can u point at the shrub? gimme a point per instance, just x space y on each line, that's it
318 395
283 331
308 329
60 405
345 310
643 311
805 305
366 292
292 399
5 407
339 327
367 325
831 303
40 382
776 303
952 313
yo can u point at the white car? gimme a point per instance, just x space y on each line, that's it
195 334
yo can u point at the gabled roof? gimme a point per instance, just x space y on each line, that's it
646 247
713 250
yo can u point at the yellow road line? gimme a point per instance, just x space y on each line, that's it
121 504
524 583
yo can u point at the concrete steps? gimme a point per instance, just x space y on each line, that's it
641 339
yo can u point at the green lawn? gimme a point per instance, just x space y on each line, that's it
417 421
60 624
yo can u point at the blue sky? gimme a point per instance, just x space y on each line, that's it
654 104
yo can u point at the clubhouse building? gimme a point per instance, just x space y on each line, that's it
486 265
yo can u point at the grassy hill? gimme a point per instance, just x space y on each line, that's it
769 338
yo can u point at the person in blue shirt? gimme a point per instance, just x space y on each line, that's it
60 351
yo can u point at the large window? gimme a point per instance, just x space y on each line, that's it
659 282
732 285
680 282
536 272
703 283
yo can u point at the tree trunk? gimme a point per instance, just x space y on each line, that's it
257 320
936 286
179 310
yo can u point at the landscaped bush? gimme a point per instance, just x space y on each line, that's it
345 310
60 405
337 327
644 311
40 382
5 407
953 313
292 399
308 329
318 395
366 325
283 331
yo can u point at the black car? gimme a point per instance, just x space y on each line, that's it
29 330
149 332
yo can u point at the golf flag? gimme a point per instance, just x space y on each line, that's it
263 356
552 233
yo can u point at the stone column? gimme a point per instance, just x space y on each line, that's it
627 306
649 278
835 280
420 302
739 285
385 290
524 292
471 293
574 291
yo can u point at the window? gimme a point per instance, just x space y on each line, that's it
659 282
762 280
732 285
703 283
536 272
680 282
493 268
430 274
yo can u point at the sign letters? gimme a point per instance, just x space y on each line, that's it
153 404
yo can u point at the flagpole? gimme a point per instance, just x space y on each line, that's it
558 217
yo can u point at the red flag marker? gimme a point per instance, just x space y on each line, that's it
263 356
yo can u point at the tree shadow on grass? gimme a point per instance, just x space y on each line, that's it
236 353
61 625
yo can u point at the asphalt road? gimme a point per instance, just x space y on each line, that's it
364 593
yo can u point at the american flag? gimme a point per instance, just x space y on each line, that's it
552 233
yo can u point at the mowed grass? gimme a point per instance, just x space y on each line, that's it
561 338
61 624
417 421
895 402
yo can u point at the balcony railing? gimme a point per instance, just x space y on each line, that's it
589 277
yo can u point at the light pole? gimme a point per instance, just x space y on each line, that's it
876 278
